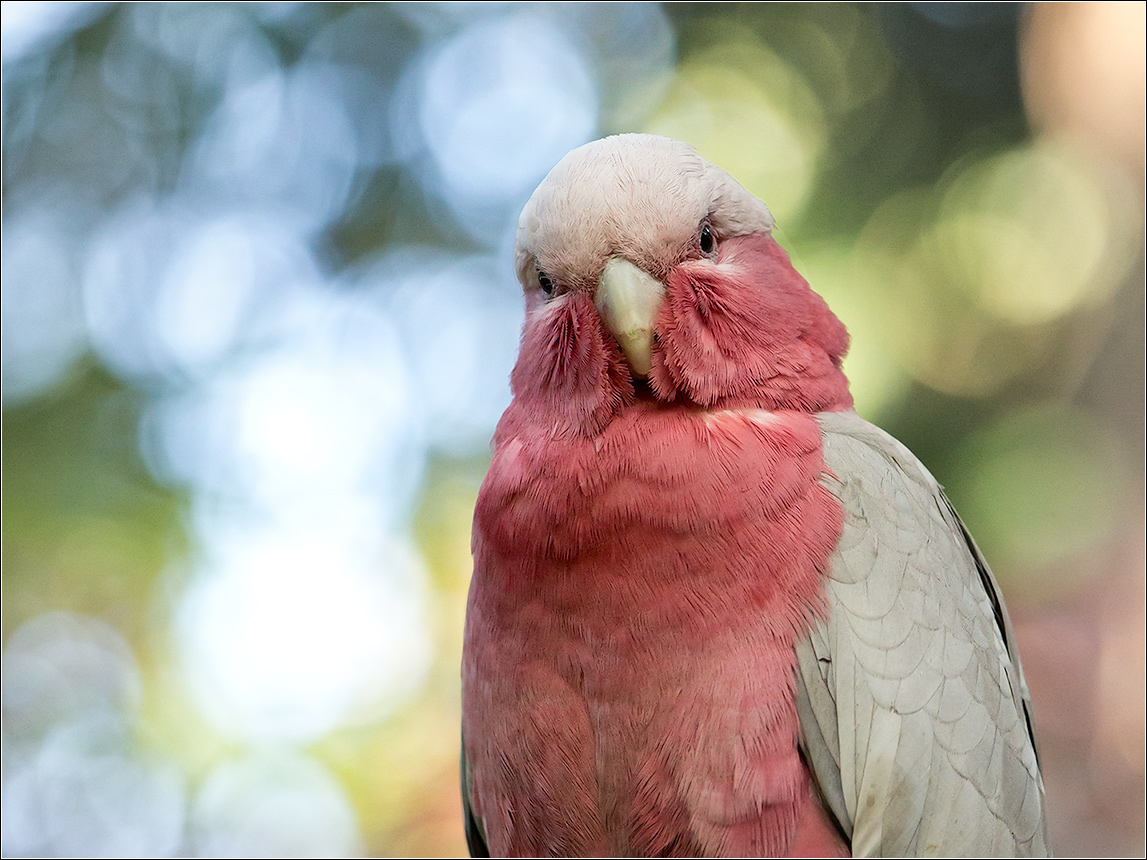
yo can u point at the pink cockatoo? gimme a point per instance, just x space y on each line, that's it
714 612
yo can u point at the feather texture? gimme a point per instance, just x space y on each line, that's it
713 612
629 658
914 710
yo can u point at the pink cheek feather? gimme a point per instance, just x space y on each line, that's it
748 330
570 370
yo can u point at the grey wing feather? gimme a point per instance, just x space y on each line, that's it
915 715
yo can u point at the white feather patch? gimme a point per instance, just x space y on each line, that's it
912 707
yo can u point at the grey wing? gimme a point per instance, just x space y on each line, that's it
914 712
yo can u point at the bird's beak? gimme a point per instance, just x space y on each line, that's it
627 299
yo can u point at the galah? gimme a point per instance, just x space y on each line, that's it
714 612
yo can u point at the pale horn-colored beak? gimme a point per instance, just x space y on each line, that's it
627 299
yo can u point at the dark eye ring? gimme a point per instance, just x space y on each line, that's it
545 283
707 241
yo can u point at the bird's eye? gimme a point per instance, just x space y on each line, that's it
707 241
545 283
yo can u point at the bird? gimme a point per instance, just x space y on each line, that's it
713 611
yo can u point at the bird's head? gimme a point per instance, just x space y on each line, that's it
651 274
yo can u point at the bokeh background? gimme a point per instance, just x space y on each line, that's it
259 315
